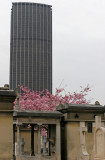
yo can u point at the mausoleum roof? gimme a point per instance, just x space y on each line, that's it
7 95
28 113
64 108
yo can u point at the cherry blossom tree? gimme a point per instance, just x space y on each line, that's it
44 100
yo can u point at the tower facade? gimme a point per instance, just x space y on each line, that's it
31 46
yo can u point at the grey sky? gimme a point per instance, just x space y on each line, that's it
78 44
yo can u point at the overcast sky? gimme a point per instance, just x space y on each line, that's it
78 44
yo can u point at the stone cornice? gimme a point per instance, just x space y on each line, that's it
7 96
81 108
26 113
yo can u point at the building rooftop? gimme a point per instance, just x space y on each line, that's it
28 113
7 95
30 3
64 108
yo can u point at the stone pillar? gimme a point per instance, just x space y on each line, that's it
49 135
96 125
32 140
39 139
14 125
22 143
58 142
18 140
44 145
83 152
97 121
83 131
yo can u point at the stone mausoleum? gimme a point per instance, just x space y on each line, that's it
72 132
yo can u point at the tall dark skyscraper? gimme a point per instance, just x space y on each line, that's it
31 46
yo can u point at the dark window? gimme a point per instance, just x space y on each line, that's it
94 116
76 116
89 127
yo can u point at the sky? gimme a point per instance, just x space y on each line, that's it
78 45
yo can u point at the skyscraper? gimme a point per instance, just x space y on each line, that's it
31 46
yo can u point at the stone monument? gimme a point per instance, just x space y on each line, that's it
22 143
99 140
83 155
44 145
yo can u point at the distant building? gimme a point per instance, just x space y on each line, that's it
31 46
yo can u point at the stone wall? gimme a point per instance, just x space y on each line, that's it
73 140
6 124
70 139
71 145
6 136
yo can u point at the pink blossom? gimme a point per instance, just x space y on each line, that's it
44 100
